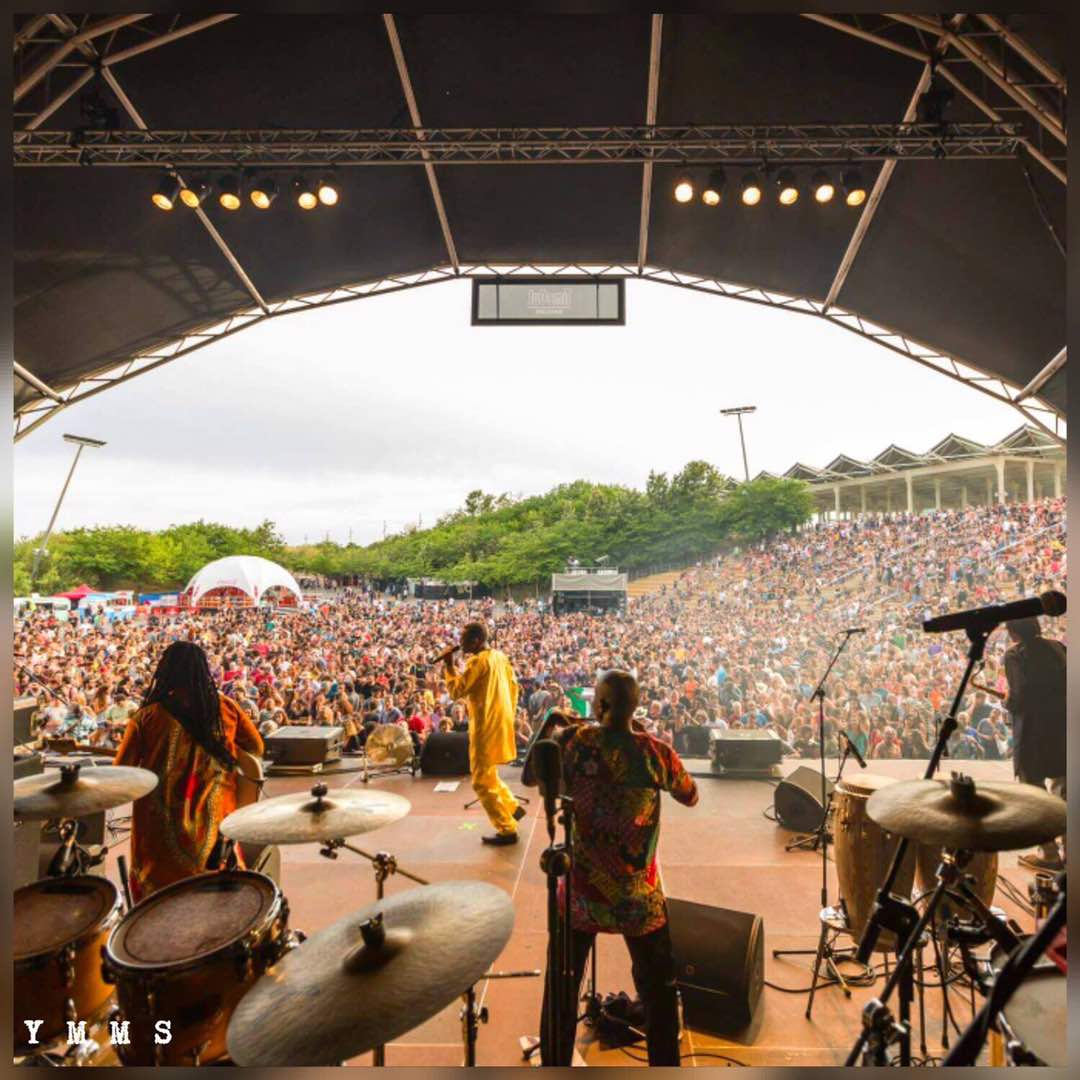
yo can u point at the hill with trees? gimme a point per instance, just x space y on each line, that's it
493 540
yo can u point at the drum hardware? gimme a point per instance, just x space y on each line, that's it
834 921
71 858
1042 893
473 1015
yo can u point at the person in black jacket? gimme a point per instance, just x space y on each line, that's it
1035 670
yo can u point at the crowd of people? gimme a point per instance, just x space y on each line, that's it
738 642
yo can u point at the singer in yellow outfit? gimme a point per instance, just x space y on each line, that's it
490 691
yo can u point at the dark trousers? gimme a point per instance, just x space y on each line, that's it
654 980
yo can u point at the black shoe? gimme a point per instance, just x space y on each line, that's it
501 839
519 812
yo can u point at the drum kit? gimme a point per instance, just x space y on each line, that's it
207 971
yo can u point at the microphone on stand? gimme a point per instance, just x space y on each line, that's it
986 618
854 749
445 655
547 768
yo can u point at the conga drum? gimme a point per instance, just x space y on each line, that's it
983 867
59 927
186 955
864 853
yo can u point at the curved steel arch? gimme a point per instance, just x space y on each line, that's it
1023 399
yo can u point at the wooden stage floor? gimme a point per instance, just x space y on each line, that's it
723 852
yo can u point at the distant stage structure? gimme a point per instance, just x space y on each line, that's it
241 581
588 588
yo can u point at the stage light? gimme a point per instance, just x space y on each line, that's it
750 190
787 187
263 192
714 189
328 192
824 189
684 189
164 198
306 198
854 188
194 194
229 192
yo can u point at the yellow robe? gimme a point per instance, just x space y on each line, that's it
490 691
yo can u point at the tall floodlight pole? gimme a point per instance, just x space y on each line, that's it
738 414
81 442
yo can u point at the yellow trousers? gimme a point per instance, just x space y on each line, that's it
495 797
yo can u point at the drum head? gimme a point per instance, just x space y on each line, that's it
192 919
56 911
865 783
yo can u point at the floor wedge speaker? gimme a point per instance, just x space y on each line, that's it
445 753
719 965
798 800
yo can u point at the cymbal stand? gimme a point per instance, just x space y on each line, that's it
880 1028
831 928
473 1015
384 865
892 912
71 858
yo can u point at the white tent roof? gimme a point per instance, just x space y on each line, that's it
249 573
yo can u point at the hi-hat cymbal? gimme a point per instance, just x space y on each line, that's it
960 813
338 995
74 791
311 817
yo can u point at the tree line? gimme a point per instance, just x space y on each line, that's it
492 540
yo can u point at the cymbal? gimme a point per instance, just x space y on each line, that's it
337 995
311 817
960 813
74 790
389 745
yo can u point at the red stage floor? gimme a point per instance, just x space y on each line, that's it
723 852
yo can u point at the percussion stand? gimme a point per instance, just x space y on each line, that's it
892 912
384 864
826 951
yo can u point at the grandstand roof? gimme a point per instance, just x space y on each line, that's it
1025 440
101 277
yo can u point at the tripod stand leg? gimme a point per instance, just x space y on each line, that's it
922 1000
817 969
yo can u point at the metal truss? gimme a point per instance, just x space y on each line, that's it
634 145
1039 414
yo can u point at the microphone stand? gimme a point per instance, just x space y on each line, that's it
557 862
825 950
900 916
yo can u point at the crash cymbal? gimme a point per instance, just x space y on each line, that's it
960 813
311 817
76 790
389 745
338 995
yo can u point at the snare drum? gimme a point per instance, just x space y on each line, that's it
60 925
188 954
864 853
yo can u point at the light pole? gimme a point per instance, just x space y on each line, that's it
81 442
738 413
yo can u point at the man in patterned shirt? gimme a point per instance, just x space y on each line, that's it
615 772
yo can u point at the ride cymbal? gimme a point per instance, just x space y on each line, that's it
76 790
372 976
310 818
960 813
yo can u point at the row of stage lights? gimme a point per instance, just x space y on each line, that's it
262 191
751 188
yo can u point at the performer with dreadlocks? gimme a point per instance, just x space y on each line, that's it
186 733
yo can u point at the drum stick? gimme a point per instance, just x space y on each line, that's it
121 864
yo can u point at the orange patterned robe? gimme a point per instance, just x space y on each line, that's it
175 827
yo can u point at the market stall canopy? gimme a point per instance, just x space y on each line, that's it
250 574
963 254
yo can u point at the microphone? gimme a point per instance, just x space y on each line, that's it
986 618
854 749
547 768
443 656
855 630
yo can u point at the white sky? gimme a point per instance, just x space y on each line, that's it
393 408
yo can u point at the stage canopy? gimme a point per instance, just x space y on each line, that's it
955 259
250 574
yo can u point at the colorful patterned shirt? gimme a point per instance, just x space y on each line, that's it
615 779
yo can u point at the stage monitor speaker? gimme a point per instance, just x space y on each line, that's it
719 965
445 753
798 800
303 745
746 753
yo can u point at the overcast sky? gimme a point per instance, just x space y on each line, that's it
391 409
